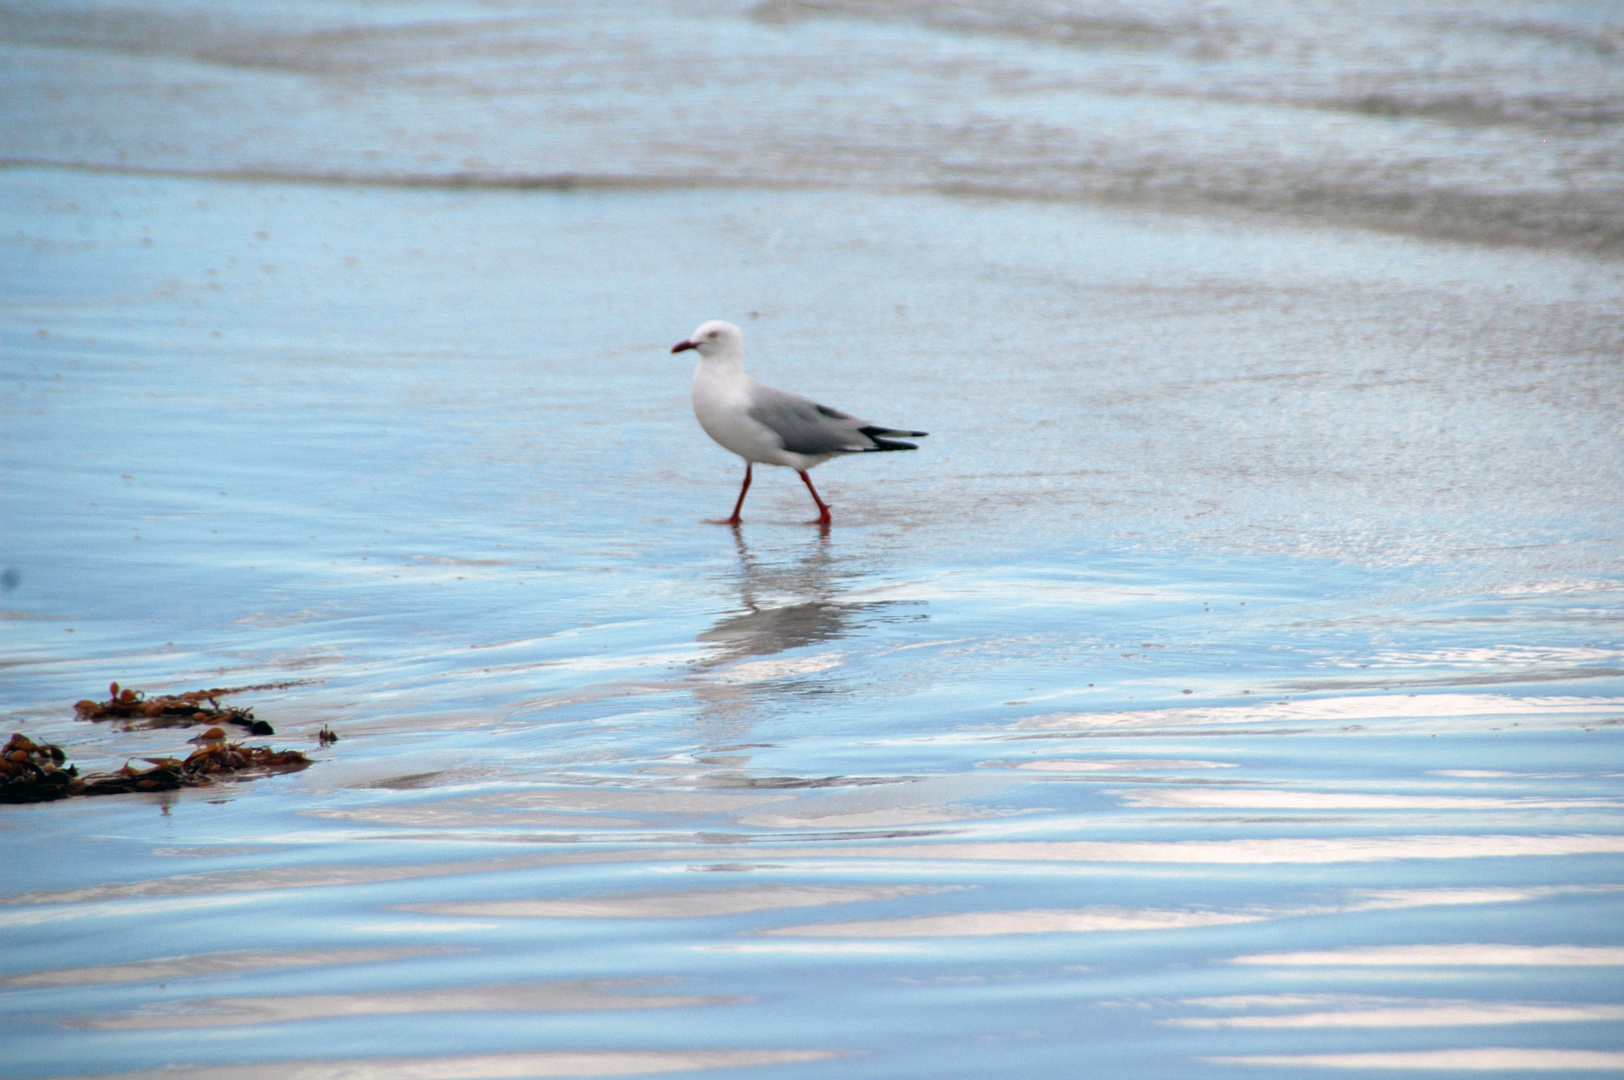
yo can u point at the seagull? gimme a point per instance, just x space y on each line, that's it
761 424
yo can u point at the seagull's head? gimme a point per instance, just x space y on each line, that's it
715 338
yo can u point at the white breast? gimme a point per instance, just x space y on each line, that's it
722 406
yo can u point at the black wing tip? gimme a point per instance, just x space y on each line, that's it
882 438
890 444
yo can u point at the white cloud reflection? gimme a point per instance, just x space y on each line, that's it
1096 919
198 965
285 1008
987 923
1458 710
1334 1011
1473 1059
1396 899
1258 851
1111 765
1263 799
676 904
1466 955
484 1066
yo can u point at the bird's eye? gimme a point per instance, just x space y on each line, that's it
711 335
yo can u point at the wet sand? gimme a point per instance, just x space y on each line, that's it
1232 680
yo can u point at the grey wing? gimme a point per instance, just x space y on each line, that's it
805 427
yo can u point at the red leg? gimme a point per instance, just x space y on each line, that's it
823 516
735 519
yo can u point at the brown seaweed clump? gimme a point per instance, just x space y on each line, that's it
217 756
170 710
33 772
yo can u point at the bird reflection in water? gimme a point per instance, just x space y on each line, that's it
787 605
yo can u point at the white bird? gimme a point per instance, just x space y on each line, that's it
761 424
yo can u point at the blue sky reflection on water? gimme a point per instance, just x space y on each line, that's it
1231 682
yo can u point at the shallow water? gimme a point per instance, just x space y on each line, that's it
1231 681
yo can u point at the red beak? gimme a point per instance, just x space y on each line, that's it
683 345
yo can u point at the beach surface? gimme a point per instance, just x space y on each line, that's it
1231 684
